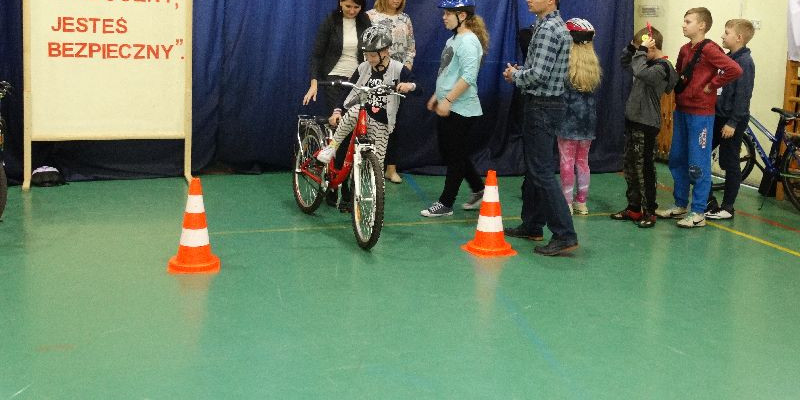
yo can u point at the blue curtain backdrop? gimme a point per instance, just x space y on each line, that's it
251 71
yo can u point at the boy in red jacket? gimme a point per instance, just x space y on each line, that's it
703 68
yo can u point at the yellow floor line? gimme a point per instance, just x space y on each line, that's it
753 238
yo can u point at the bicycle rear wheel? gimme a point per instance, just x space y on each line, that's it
368 199
308 173
790 175
3 180
747 160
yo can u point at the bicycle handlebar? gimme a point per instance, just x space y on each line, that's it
379 90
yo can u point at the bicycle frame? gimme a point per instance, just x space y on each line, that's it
353 156
770 161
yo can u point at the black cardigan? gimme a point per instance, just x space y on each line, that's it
329 43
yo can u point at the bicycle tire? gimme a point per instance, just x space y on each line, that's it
307 192
3 180
790 175
367 215
747 160
3 189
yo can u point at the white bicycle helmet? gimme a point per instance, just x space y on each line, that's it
581 30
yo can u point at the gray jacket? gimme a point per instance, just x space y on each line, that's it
651 79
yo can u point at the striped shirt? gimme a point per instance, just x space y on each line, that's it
547 63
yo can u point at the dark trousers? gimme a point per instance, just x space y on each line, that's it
639 166
334 95
542 200
456 145
729 150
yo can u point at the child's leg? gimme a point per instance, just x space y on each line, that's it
649 172
632 167
567 151
451 131
379 133
582 168
679 158
699 142
729 161
346 125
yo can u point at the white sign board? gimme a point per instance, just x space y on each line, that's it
107 70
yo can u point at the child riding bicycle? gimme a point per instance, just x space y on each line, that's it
379 69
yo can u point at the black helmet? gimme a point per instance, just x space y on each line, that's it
376 38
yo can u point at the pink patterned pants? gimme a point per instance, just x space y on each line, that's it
574 156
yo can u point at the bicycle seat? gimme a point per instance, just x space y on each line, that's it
785 114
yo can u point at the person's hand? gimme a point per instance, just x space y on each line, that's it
432 103
707 89
508 74
650 43
405 87
311 94
727 131
334 118
443 108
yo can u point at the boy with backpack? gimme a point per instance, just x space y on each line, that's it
703 68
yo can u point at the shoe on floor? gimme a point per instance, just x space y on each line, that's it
580 208
520 232
672 212
648 220
720 213
693 220
325 155
627 215
396 178
474 201
556 247
345 206
437 209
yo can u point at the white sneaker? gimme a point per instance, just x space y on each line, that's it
580 208
672 212
719 213
693 220
474 201
437 210
326 154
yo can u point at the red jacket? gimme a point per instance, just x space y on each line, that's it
714 68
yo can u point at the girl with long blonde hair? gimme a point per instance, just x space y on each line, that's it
575 138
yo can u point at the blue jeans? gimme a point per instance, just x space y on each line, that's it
690 158
542 200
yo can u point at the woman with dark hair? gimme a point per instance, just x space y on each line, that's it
336 53
336 56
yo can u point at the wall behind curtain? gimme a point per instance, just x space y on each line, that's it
251 71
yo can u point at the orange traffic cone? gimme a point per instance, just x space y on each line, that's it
194 251
490 241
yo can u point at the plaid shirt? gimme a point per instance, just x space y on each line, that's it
547 63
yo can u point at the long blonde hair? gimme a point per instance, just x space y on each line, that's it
478 27
584 67
381 6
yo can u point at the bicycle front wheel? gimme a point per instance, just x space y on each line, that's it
308 173
747 160
368 201
790 175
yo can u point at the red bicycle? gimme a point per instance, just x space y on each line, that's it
312 179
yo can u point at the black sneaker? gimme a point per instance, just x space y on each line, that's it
520 232
556 247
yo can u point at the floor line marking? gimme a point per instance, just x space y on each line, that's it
753 238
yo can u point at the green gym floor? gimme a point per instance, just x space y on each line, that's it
88 310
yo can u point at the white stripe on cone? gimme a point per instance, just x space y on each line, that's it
194 204
196 237
491 194
490 224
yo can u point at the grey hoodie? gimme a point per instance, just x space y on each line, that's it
651 79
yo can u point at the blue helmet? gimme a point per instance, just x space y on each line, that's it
456 3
